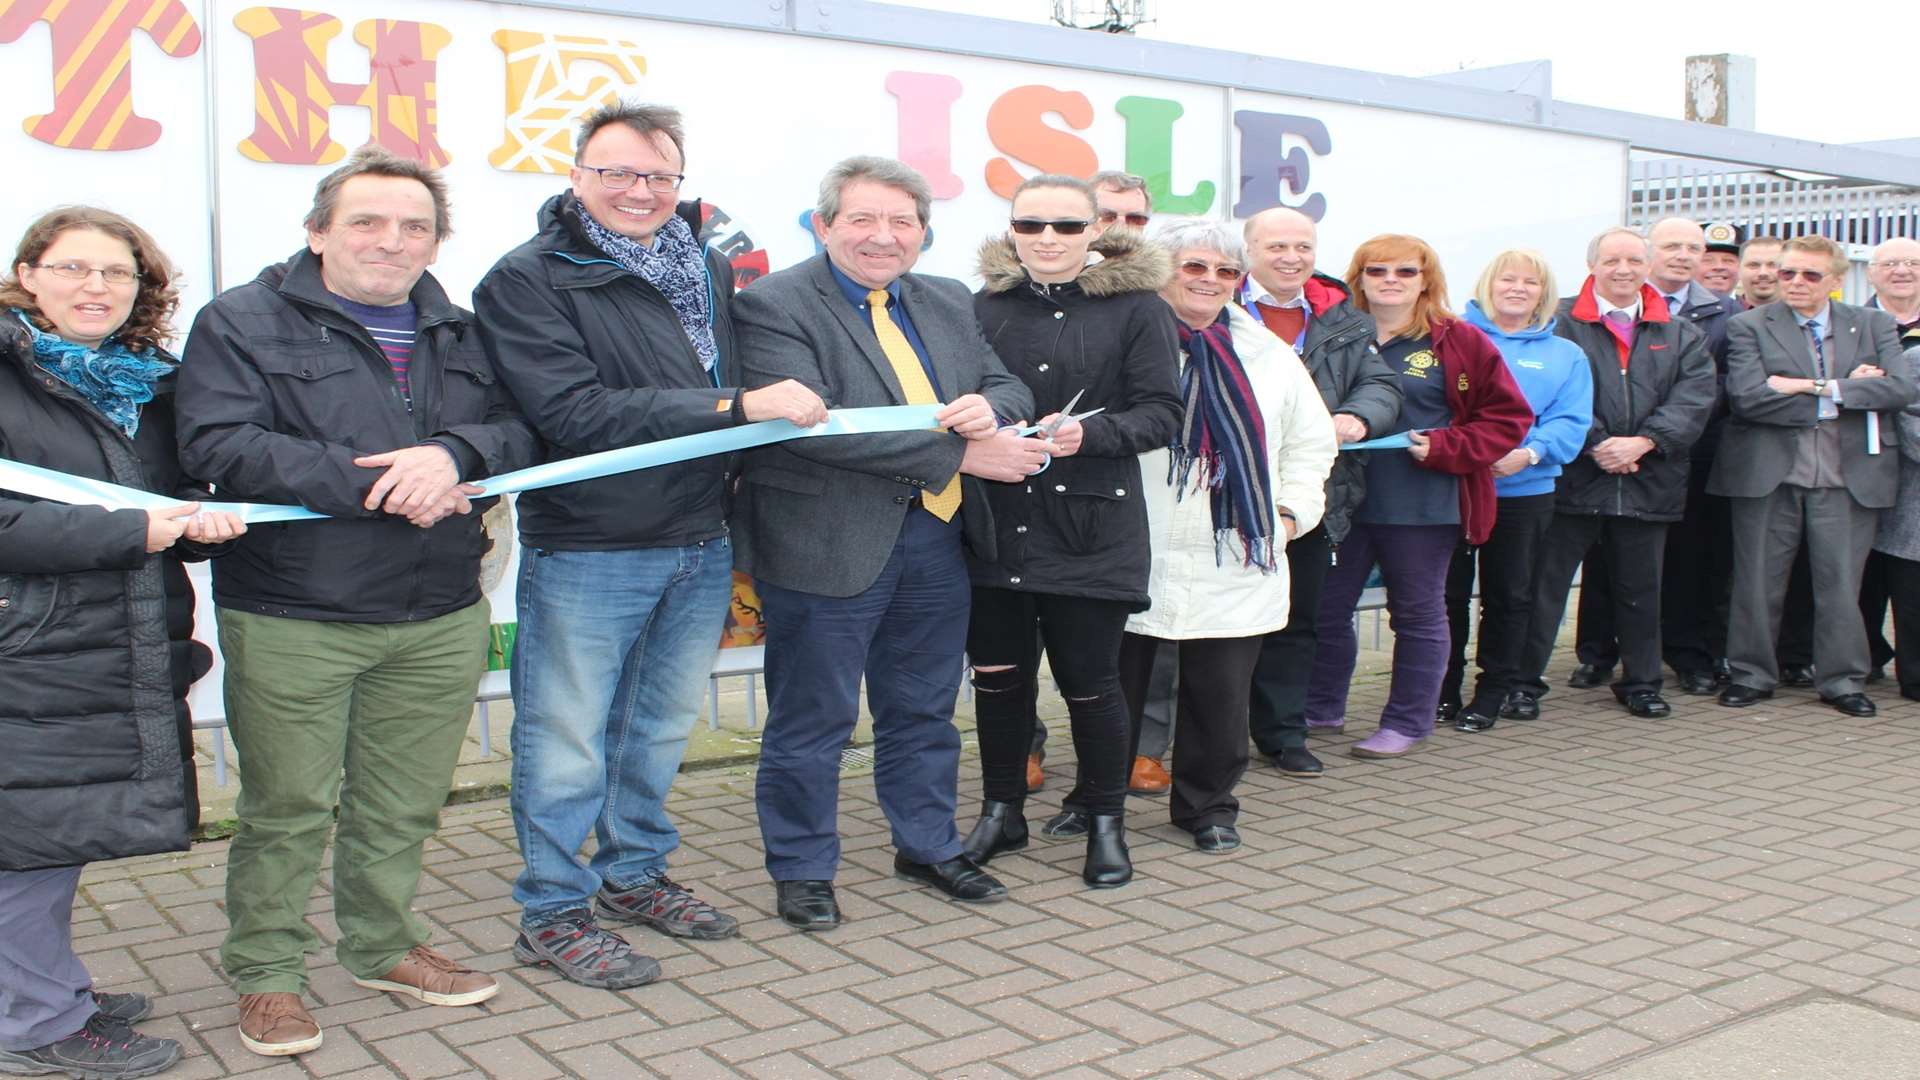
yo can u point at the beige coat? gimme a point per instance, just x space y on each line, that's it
1193 595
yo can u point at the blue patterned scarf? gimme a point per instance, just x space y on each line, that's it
1224 433
114 379
675 265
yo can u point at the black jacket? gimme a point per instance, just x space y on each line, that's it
598 361
280 390
1709 311
1079 528
1353 378
96 648
1665 393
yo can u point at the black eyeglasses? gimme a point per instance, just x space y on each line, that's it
1035 226
1404 273
112 275
1136 219
618 179
1811 277
1197 269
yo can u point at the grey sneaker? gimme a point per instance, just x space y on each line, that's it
126 1008
668 908
583 953
104 1048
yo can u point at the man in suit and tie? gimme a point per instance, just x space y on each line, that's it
1804 455
855 542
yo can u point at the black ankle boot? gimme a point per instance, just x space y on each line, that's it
1108 866
1002 827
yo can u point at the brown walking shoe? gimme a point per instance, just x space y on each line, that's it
434 979
277 1025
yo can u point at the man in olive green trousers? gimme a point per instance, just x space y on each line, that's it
344 380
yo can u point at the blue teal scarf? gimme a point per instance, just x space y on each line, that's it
113 378
676 266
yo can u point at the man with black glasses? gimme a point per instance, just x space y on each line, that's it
611 326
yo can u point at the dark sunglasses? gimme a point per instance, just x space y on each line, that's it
1404 273
1136 219
1026 226
1196 268
1811 277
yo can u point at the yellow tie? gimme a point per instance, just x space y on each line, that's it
913 382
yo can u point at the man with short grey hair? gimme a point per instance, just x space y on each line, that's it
855 542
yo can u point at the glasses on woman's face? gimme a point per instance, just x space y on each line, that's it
112 275
1811 277
1404 273
1036 226
1194 268
1136 219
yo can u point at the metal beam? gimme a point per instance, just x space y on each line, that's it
1003 39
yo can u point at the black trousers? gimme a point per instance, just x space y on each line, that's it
1278 703
1633 551
1903 590
1875 592
1505 568
1697 582
1082 638
1209 723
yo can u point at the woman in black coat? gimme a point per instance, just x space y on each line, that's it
96 618
1071 311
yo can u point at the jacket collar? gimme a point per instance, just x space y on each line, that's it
298 279
1128 263
1653 306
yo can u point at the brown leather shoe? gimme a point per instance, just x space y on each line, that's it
1036 776
434 979
1149 778
277 1025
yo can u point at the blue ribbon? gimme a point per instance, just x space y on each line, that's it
1384 442
62 487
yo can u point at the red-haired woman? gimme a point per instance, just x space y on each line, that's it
1462 412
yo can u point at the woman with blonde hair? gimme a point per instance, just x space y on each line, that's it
1513 304
1461 412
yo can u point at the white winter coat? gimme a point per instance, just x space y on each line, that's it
1193 596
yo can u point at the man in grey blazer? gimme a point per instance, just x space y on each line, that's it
1812 449
855 542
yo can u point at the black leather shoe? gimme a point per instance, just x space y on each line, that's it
1587 676
959 877
1699 682
807 905
1735 696
1108 864
1002 827
1444 712
1216 838
1648 704
1065 825
1473 722
1520 705
1852 704
1297 761
1798 676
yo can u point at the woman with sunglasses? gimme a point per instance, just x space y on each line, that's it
1245 472
1074 312
1461 412
96 619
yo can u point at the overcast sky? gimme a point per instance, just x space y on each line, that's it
1824 85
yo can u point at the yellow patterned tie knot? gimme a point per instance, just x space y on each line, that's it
919 391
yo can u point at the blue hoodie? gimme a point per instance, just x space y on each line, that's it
1558 384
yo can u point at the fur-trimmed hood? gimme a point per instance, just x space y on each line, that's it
1129 262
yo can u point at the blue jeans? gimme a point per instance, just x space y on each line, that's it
613 651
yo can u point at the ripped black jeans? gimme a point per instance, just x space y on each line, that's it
1082 641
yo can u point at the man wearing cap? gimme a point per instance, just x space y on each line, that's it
1720 264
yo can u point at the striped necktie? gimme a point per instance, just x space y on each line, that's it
913 383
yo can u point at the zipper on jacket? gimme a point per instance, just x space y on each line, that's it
1620 479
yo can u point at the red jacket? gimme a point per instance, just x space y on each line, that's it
1490 417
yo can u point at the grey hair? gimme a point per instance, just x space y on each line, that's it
1122 181
1186 233
879 170
1593 245
646 121
374 160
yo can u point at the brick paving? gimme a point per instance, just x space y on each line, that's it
1544 900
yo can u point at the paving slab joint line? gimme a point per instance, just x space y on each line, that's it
1809 997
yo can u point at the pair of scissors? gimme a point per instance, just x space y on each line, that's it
1048 429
